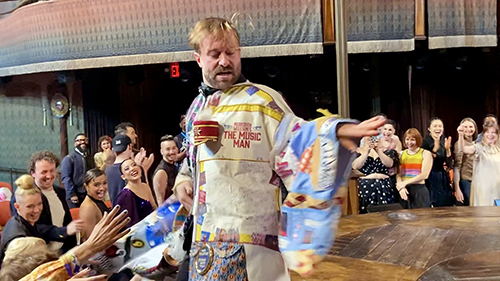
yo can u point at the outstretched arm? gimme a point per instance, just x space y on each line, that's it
349 134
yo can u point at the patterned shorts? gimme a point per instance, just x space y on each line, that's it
217 261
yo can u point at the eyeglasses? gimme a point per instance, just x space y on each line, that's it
80 140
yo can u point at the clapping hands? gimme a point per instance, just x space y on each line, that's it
142 160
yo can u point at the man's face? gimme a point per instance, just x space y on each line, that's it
44 174
132 135
490 119
169 150
220 60
30 207
81 142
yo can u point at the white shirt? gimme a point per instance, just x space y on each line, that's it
57 214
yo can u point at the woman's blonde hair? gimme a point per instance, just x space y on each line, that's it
25 245
14 269
25 186
23 255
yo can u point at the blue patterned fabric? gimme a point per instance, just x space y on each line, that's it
72 30
229 262
458 23
380 25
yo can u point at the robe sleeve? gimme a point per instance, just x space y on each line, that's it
315 169
60 270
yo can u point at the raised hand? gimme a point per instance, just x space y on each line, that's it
148 161
349 134
139 157
366 128
447 143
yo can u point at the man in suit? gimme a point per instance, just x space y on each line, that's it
73 169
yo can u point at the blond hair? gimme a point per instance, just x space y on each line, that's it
15 268
25 245
216 27
25 186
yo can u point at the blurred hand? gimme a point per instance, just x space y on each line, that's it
147 162
447 143
366 128
81 276
139 157
74 199
185 194
107 231
459 195
461 130
110 156
74 227
403 192
349 134
366 146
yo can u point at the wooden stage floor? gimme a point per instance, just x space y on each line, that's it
452 243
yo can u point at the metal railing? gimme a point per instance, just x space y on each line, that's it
13 173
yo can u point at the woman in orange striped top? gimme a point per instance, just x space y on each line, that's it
416 164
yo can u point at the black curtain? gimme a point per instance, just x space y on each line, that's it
101 103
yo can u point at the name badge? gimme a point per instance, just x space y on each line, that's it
204 259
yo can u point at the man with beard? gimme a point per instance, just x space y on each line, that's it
242 139
73 169
166 171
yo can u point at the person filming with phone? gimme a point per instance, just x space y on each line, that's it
374 160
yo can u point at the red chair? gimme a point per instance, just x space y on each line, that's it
4 213
6 184
5 206
108 203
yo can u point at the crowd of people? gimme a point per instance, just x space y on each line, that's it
42 239
240 144
430 171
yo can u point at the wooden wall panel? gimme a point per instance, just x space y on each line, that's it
420 20
328 22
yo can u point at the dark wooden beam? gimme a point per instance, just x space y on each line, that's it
328 22
420 20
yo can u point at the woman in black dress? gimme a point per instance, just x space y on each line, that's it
438 181
374 161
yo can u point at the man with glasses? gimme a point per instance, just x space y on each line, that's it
73 169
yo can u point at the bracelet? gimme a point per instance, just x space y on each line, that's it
71 263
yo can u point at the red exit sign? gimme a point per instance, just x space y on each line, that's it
174 70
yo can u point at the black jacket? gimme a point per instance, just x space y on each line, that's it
46 216
73 169
17 227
